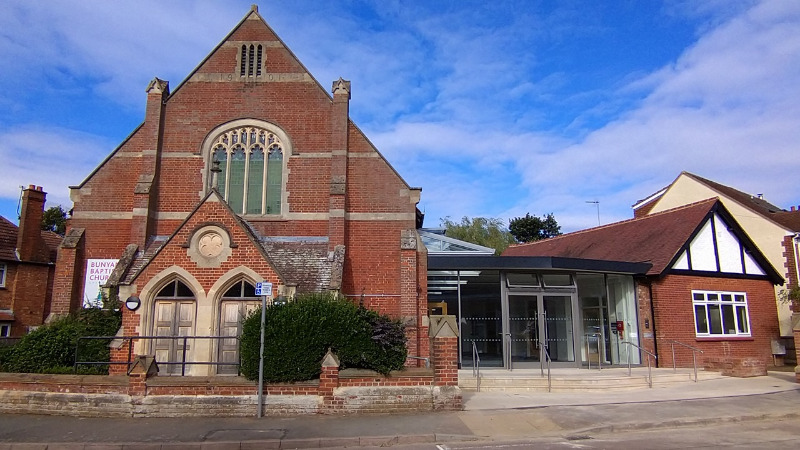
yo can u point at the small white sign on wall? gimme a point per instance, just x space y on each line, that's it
97 273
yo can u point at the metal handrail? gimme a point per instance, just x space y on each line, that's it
546 358
694 355
599 354
183 363
510 342
649 369
476 366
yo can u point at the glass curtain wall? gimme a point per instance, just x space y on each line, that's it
481 317
623 303
608 317
479 311
595 329
539 312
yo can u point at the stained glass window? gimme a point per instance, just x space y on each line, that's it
250 181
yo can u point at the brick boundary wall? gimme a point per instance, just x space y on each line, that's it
143 393
136 395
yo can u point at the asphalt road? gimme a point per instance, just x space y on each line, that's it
632 425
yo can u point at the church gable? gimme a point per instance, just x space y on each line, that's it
720 246
253 53
211 242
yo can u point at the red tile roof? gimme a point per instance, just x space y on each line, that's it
752 202
655 238
789 219
8 241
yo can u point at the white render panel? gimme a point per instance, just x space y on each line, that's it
729 248
702 250
751 267
682 263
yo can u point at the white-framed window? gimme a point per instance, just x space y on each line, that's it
719 313
250 160
5 330
2 274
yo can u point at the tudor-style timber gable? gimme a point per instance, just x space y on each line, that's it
717 248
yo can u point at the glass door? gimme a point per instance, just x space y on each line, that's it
524 329
536 322
558 333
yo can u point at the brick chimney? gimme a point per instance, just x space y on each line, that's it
30 245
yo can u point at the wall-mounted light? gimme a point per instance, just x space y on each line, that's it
133 303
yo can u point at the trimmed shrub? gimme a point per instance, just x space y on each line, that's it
51 348
298 334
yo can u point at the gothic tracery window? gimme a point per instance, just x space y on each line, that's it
251 169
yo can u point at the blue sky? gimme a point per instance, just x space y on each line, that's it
495 109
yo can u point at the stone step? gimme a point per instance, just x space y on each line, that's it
587 381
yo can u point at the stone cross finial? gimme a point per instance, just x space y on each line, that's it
341 86
158 86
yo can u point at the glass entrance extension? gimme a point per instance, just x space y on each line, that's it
537 323
510 317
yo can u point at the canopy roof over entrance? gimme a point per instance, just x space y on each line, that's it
485 262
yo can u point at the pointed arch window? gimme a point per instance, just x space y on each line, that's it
250 160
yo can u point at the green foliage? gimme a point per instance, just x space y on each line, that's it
54 219
480 230
532 228
790 295
51 348
297 335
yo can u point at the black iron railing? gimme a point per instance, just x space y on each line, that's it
129 362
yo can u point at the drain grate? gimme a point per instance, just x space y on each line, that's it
578 437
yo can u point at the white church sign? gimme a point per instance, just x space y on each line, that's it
97 273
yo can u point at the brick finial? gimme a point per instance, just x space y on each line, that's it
158 86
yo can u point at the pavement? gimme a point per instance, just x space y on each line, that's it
486 416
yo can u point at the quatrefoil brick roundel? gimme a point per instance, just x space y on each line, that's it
209 246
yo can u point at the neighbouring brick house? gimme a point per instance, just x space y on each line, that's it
27 267
708 286
774 230
247 171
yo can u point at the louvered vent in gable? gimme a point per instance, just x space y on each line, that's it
251 60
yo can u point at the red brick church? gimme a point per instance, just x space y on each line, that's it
248 171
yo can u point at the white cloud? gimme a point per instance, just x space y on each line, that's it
49 157
727 109
455 96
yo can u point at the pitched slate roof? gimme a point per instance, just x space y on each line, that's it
303 261
8 241
788 219
656 238
752 202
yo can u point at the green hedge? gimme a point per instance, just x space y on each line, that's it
51 348
298 334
